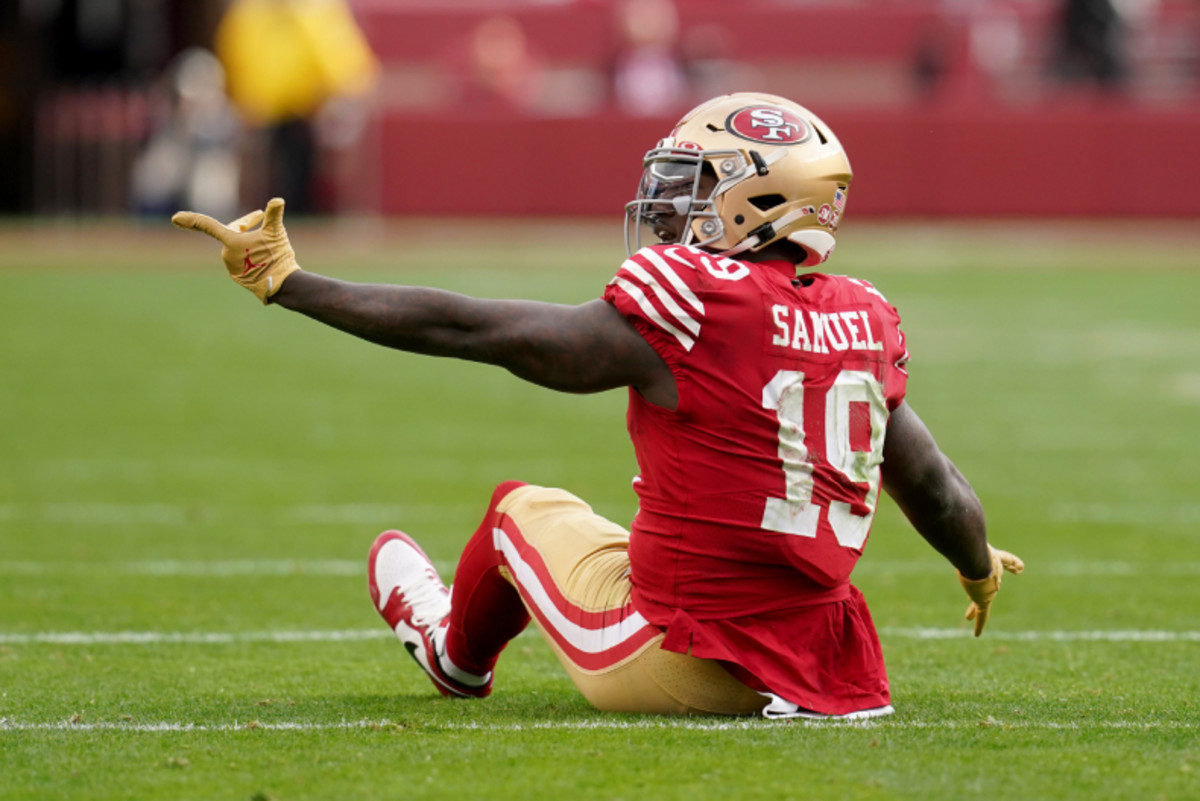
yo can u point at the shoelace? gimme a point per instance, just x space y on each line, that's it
429 601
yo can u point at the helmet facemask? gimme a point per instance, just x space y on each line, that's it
677 195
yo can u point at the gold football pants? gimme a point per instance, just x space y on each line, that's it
571 569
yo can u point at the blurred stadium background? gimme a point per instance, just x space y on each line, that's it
962 108
189 484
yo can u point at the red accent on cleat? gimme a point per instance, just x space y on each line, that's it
411 598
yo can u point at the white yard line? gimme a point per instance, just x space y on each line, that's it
354 635
997 633
189 637
221 568
595 725
1126 514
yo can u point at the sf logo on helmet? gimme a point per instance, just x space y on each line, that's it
770 125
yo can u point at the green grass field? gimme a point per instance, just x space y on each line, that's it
189 484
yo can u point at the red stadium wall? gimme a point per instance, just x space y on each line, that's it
966 150
1109 161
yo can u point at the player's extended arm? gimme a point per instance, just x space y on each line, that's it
944 509
586 348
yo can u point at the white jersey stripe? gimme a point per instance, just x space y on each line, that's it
640 299
669 273
591 641
685 319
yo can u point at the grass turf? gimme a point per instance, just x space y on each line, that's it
183 466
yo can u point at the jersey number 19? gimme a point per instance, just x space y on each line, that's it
807 464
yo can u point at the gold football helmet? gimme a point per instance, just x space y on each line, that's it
742 171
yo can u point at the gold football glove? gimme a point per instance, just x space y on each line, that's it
982 591
258 259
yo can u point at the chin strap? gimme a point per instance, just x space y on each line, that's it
817 244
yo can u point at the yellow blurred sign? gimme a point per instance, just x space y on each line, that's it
284 58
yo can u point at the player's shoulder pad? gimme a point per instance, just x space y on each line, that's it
889 312
676 270
868 291
678 258
661 285
862 285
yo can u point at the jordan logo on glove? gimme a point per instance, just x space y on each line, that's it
249 265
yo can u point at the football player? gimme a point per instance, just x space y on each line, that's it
766 409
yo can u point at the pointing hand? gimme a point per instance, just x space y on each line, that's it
259 259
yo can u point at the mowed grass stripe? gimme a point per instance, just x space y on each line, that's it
354 635
370 514
604 724
170 514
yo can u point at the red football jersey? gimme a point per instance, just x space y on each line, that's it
757 492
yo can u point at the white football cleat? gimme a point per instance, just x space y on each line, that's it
410 596
781 709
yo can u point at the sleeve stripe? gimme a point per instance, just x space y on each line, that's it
651 313
664 297
669 273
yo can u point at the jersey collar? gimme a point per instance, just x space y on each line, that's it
782 266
